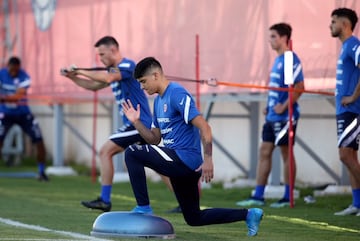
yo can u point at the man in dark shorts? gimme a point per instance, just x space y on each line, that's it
124 86
276 127
343 22
14 109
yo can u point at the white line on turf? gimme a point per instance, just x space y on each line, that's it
313 224
43 229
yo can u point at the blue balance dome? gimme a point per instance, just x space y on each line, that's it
129 224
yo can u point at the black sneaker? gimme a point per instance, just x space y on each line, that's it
97 204
175 210
43 177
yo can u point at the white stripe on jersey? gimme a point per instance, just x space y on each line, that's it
125 65
8 87
187 109
274 84
297 71
357 56
162 153
25 83
124 134
273 94
275 75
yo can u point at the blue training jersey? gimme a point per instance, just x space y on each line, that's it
129 88
276 96
347 75
173 112
8 86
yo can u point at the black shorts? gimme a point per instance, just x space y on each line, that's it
348 130
27 122
278 132
126 136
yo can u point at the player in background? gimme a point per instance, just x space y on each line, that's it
343 22
14 109
124 86
276 128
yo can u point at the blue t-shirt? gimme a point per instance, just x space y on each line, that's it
8 86
129 88
347 75
173 112
276 96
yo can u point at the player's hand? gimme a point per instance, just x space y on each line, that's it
346 100
207 170
72 68
63 71
279 108
68 71
265 111
130 112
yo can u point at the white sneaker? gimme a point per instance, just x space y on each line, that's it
358 214
349 211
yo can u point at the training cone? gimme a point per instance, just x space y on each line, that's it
129 224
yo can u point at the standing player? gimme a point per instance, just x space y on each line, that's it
343 21
123 86
276 127
182 128
14 109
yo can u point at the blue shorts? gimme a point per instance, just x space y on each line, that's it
27 122
126 136
278 132
348 129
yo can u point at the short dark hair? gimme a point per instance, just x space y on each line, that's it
107 40
346 13
146 64
14 61
283 29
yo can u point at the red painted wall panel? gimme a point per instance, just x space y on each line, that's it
233 38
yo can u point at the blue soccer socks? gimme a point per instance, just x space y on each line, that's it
259 191
356 197
106 193
41 167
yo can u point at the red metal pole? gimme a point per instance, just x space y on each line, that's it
291 140
291 147
197 77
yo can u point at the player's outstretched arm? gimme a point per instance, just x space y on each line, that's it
83 82
100 76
